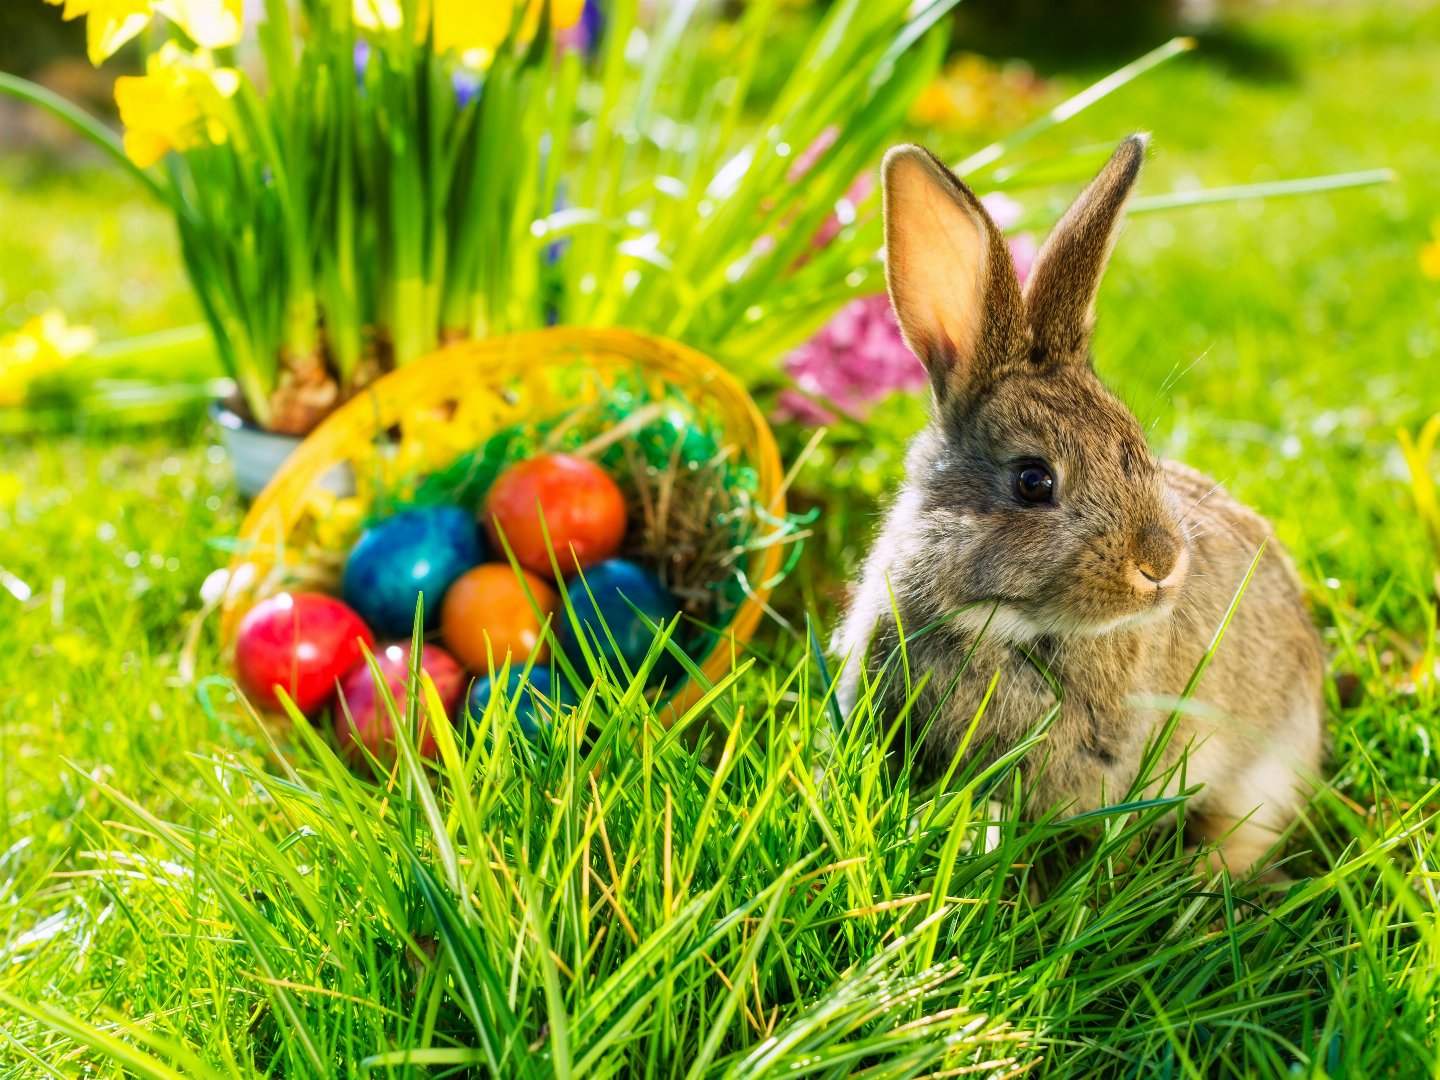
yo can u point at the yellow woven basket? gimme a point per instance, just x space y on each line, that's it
480 388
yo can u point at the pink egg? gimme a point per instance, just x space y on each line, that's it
369 724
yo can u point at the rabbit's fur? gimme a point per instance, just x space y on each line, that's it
1115 588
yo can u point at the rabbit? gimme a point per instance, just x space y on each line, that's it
1035 536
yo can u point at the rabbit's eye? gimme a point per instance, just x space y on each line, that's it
1034 483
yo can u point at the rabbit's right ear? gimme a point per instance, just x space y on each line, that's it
950 275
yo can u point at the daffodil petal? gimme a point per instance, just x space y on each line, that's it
45 345
377 14
1430 260
104 35
210 24
145 148
566 13
226 81
461 25
563 15
175 105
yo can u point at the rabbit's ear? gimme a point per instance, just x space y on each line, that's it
950 275
1060 293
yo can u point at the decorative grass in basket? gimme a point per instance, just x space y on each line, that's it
699 530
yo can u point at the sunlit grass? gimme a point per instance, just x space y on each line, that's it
770 900
170 891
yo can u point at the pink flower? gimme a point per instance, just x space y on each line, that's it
1023 249
856 359
806 159
1004 211
794 406
848 205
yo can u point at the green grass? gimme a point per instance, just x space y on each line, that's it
168 886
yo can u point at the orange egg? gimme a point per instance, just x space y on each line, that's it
487 614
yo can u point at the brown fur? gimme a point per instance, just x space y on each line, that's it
1070 587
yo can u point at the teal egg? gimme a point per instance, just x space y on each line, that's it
530 695
613 586
419 551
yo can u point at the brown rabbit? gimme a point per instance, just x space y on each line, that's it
1033 511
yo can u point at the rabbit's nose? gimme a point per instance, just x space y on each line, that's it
1158 558
1149 572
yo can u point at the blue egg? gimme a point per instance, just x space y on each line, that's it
421 550
612 583
530 711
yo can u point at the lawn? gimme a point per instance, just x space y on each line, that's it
180 900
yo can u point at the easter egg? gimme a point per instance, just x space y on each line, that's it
488 615
582 509
301 643
421 550
530 695
611 584
369 724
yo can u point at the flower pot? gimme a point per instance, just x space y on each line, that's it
257 454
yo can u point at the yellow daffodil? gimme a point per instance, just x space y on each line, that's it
933 106
173 105
43 346
474 27
1430 253
974 93
462 27
210 24
564 14
377 14
109 24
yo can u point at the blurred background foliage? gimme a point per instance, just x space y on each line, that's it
1277 343
1245 333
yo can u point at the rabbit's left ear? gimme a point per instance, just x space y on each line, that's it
950 276
1060 292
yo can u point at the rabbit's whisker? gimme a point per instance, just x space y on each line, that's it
1198 503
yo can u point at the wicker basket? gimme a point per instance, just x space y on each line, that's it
482 387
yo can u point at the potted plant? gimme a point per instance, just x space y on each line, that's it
356 181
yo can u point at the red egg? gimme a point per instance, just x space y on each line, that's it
371 718
582 508
301 643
